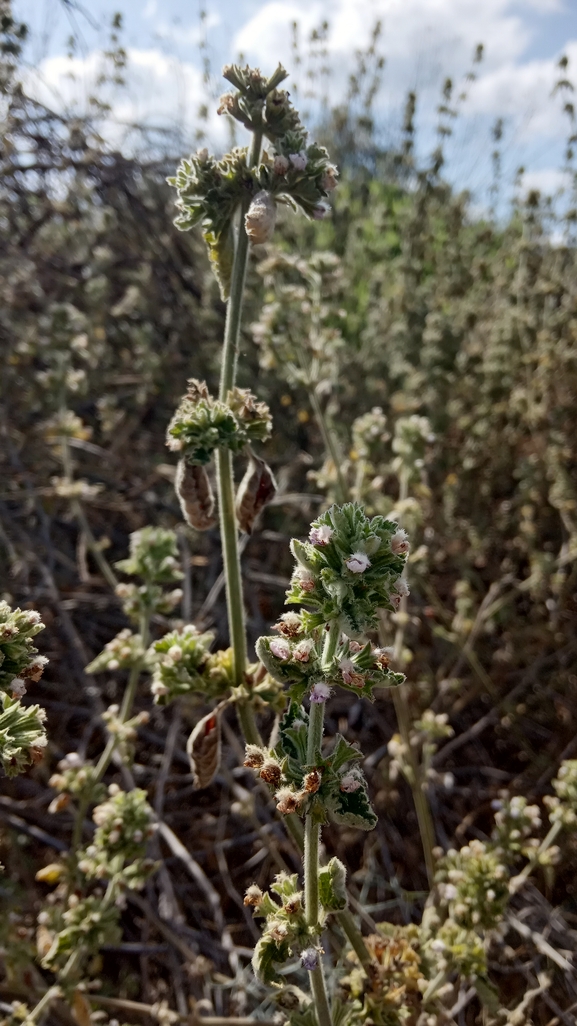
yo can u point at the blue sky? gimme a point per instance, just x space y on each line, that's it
423 42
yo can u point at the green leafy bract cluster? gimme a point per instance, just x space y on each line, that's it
563 804
210 191
202 424
123 652
154 558
179 662
18 656
286 932
22 735
344 589
330 788
515 824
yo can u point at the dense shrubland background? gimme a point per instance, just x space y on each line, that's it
471 322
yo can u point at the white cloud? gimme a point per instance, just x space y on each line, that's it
160 92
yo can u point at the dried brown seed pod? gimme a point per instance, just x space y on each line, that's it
203 749
254 757
195 496
312 781
256 489
271 772
260 218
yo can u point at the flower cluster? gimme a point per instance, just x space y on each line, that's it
369 435
294 171
411 437
473 885
179 663
22 734
286 932
124 823
123 652
75 777
18 656
154 558
563 804
331 788
349 568
202 424
86 922
515 825
391 993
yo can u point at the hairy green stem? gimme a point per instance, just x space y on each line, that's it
311 866
224 468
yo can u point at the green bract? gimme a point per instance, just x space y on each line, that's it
179 660
202 424
22 735
18 656
210 192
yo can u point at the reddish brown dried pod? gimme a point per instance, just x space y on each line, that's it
203 749
256 489
195 496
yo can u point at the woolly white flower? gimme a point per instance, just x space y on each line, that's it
321 535
310 959
320 692
358 562
280 165
401 587
280 649
303 650
349 783
306 580
298 160
400 542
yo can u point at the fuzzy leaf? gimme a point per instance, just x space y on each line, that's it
332 886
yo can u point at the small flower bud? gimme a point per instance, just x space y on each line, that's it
320 211
312 781
400 542
270 772
253 896
303 650
287 800
280 649
280 165
298 160
321 536
310 959
305 579
358 562
320 692
254 757
329 179
349 783
289 625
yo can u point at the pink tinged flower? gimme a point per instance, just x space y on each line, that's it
355 646
303 650
321 211
395 600
306 580
280 165
329 179
298 160
349 783
321 535
349 674
280 649
358 562
320 692
310 959
400 542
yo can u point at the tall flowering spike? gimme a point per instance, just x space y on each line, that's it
211 192
348 568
